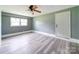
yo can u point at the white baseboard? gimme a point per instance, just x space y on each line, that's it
69 39
7 35
47 34
53 35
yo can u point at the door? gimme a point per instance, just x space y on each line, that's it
62 24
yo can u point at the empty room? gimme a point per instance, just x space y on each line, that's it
39 29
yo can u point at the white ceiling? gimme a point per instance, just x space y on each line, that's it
23 9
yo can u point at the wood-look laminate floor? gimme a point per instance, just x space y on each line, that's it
34 43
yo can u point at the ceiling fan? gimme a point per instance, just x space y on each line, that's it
34 8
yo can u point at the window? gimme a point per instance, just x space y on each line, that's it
15 22
18 22
23 22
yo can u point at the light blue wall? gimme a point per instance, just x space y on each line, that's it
0 27
45 23
7 29
75 22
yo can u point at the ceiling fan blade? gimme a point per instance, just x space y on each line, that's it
37 11
33 8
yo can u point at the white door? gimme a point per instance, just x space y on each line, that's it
62 24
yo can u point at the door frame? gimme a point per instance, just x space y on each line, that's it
69 22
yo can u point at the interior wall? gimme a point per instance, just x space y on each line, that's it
75 22
0 27
7 29
45 23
